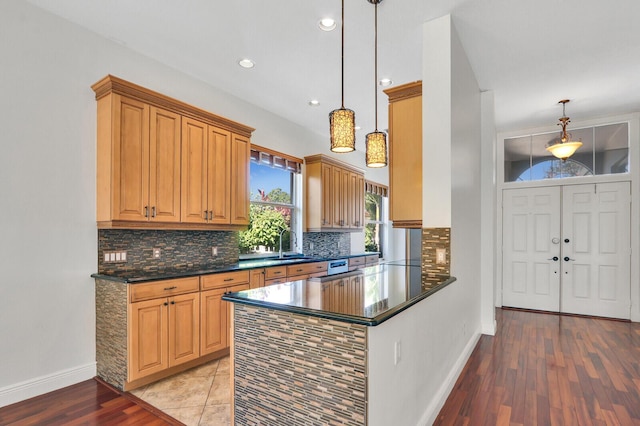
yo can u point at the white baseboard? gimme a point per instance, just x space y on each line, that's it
437 402
490 328
41 385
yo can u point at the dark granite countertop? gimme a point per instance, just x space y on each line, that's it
384 291
138 276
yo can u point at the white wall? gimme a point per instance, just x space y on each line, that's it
438 334
48 237
488 213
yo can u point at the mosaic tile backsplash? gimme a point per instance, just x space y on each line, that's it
326 244
432 239
178 249
299 370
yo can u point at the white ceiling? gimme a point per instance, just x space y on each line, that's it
530 53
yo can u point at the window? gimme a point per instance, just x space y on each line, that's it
274 212
374 229
604 150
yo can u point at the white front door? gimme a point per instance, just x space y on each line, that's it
531 242
596 250
567 249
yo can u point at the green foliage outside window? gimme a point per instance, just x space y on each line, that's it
372 204
265 223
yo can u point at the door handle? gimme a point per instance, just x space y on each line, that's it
567 258
554 258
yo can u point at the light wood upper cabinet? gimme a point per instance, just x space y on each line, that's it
195 208
138 162
334 195
405 155
240 159
206 177
164 164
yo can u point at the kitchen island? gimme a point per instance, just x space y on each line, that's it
302 351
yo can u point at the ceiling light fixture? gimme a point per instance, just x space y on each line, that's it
327 24
384 82
314 102
566 147
342 121
376 143
246 63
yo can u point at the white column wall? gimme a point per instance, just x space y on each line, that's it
438 334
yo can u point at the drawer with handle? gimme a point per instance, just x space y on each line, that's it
356 262
275 272
372 259
306 269
164 288
224 279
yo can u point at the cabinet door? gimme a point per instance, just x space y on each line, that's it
213 321
358 202
327 195
337 197
405 162
130 160
219 175
355 201
148 324
194 208
164 166
347 199
355 295
256 278
338 292
184 328
240 157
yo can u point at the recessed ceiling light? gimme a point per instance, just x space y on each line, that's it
357 127
384 82
314 102
246 63
327 24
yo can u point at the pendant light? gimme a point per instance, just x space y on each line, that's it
376 142
342 122
566 147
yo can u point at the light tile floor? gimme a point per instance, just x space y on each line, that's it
197 397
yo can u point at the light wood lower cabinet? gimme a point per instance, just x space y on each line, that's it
163 333
215 313
215 323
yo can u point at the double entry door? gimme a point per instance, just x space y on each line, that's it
568 249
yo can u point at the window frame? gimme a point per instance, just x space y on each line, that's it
294 166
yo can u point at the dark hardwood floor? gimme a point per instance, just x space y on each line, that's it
91 402
539 369
547 369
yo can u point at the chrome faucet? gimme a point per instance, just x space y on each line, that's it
280 250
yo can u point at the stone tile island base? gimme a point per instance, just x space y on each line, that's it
297 369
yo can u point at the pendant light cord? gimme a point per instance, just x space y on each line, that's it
375 82
342 53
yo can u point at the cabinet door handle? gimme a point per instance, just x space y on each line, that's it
319 267
173 302
298 270
277 272
210 214
228 279
146 211
165 304
173 287
153 211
